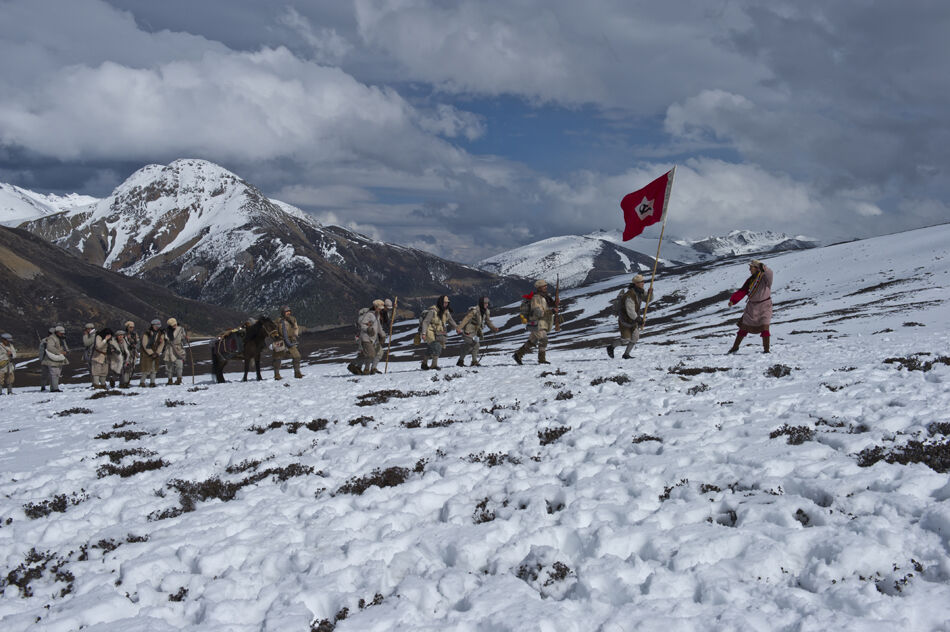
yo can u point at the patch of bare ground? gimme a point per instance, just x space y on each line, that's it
796 435
616 379
679 369
74 411
192 492
35 565
110 393
292 427
550 435
131 469
381 397
57 504
171 403
642 438
389 477
128 435
493 459
778 370
935 454
914 362
874 288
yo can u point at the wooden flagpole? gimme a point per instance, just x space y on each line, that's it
656 260
389 346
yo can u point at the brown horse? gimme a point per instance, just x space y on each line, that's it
248 346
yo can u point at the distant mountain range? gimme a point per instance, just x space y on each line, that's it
18 205
582 259
206 234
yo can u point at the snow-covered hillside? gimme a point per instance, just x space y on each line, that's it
684 489
19 205
581 259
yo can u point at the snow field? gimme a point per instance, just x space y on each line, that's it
679 499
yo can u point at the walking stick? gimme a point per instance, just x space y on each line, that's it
389 345
192 354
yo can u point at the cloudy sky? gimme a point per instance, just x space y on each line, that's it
474 126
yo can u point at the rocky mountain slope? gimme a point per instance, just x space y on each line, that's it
44 285
204 233
582 259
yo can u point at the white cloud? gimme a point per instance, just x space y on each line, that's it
329 47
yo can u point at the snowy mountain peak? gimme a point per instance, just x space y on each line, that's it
19 205
740 242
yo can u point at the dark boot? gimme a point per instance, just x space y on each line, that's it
460 362
542 359
352 368
765 344
297 372
519 354
171 382
610 350
735 345
425 364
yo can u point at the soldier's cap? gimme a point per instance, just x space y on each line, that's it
388 304
638 278
52 330
129 323
540 283
284 309
120 333
7 337
378 303
59 329
89 326
171 322
156 321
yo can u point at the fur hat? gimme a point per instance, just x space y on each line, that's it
59 329
156 321
388 303
755 263
378 304
540 283
7 337
88 326
638 278
171 322
129 323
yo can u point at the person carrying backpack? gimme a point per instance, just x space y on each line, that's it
433 331
472 326
541 312
629 309
368 331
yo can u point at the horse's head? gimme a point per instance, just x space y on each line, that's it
268 326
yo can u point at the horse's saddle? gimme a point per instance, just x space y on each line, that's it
231 344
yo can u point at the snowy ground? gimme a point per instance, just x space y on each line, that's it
705 493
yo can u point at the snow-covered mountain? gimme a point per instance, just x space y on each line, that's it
18 205
683 489
205 233
581 259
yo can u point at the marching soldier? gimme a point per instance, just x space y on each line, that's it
472 326
119 360
132 342
153 346
174 354
434 331
88 342
369 334
7 356
289 332
630 316
100 358
44 369
541 314
54 356
386 316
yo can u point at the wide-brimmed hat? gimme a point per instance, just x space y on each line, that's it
171 322
378 304
540 283
388 304
88 326
59 329
7 337
638 278
129 323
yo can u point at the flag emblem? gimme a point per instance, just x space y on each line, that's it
646 206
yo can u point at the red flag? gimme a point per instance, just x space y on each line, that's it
646 206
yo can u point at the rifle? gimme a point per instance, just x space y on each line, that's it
557 304
389 345
192 355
